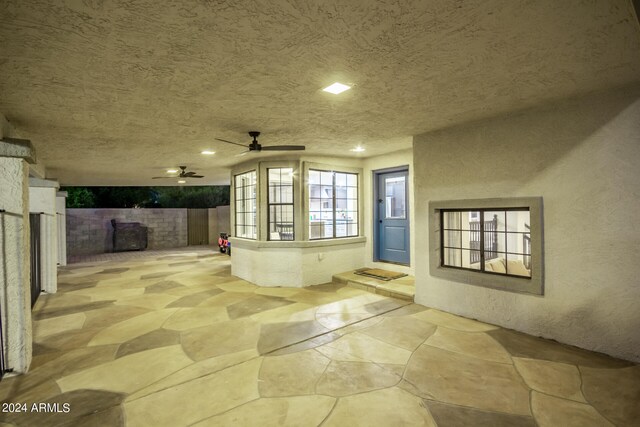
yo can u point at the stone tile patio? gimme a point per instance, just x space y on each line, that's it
173 339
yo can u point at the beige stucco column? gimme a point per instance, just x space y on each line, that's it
15 300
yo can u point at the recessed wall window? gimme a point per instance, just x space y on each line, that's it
333 204
280 201
494 243
245 205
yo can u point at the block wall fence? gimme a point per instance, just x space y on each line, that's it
89 231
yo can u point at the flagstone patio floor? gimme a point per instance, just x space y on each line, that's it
172 339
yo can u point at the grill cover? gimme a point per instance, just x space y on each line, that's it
129 236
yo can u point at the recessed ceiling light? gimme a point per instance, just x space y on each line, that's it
182 181
208 152
172 170
336 88
358 149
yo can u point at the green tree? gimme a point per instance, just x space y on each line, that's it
148 197
192 197
80 197
123 197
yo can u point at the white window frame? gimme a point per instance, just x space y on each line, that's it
271 203
244 213
307 167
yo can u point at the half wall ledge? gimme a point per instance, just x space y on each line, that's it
295 264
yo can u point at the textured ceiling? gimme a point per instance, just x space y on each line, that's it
113 92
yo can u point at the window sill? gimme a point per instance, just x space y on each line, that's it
237 242
516 284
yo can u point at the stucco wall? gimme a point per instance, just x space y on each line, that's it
15 295
89 231
294 266
583 157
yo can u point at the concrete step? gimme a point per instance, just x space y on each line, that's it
402 288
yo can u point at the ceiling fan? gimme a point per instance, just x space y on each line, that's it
183 174
256 146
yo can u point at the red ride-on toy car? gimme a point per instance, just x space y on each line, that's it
223 243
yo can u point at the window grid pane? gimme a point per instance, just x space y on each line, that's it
495 241
245 205
280 202
333 204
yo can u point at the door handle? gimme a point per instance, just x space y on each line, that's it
380 221
380 200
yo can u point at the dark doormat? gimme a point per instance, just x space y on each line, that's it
378 273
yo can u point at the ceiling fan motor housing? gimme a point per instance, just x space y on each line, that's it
254 146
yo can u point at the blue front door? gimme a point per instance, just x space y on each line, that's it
392 216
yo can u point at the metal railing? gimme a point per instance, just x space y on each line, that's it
490 239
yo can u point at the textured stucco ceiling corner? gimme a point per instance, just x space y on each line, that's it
112 93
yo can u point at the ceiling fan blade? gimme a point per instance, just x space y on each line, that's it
283 148
164 177
187 174
195 176
231 142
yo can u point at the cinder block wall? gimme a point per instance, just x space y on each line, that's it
89 231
